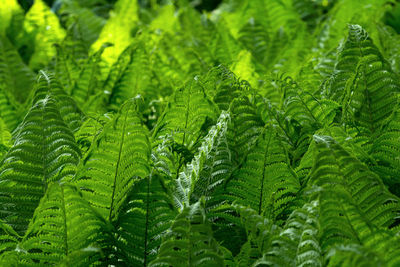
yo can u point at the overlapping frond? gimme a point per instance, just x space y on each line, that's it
44 150
207 170
245 127
63 224
185 115
297 244
385 150
118 158
189 242
47 84
364 82
88 82
42 30
265 181
8 110
15 77
336 166
260 232
146 215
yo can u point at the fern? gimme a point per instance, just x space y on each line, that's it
189 241
186 114
334 165
260 233
44 150
88 81
63 224
264 180
15 76
196 179
159 133
105 183
372 82
47 84
385 150
42 31
145 218
297 244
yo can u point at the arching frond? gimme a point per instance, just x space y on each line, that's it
89 79
298 242
47 84
105 183
260 233
44 150
145 217
199 176
222 86
185 115
42 30
63 224
265 181
334 165
15 77
8 110
385 150
368 90
189 242
245 127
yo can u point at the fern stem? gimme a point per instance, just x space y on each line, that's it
65 221
117 167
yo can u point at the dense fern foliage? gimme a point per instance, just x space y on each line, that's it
156 133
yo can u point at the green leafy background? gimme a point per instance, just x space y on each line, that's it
199 133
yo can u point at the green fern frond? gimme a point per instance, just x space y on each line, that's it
225 48
367 91
260 232
136 79
5 138
389 40
222 86
118 69
47 84
217 164
386 150
104 183
66 67
89 79
41 30
357 45
185 115
162 157
265 181
196 178
353 255
245 128
335 166
297 244
62 224
373 91
8 238
91 127
256 39
145 217
44 150
343 223
15 76
8 110
306 108
83 23
189 242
